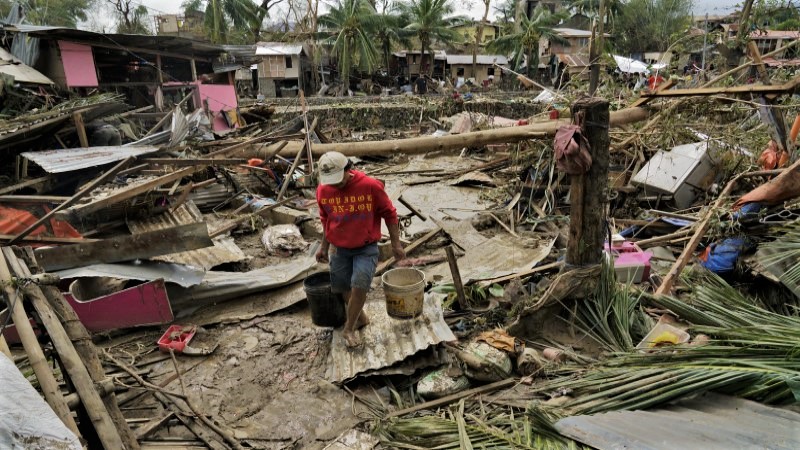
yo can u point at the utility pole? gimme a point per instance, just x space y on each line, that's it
705 39
596 50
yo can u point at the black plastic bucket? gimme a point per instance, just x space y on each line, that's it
327 308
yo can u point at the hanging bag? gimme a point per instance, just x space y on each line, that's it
572 149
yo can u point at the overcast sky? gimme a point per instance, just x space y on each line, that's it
472 8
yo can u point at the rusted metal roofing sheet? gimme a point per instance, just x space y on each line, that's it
497 257
70 159
23 73
387 340
223 251
709 422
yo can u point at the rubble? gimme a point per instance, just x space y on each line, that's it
163 274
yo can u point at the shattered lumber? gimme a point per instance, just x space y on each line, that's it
427 144
788 88
433 404
456 274
79 195
411 247
82 342
702 226
71 362
76 212
36 358
126 248
589 192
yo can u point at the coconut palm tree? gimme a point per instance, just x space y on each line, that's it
591 8
348 28
525 42
389 31
431 21
223 15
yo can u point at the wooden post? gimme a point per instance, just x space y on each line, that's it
47 380
451 259
83 345
194 69
82 138
589 192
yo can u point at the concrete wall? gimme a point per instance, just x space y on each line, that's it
266 86
482 72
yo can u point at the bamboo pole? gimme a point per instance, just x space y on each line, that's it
79 355
36 357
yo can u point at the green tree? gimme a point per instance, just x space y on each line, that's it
525 42
58 13
431 21
348 29
652 25
390 30
228 20
131 18
591 8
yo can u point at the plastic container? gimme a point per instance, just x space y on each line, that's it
327 308
176 338
663 334
404 290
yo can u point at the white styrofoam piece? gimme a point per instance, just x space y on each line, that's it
665 172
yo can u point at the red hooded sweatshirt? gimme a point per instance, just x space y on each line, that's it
351 217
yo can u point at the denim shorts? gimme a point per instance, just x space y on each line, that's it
353 267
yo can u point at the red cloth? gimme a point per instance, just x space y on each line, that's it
654 81
351 217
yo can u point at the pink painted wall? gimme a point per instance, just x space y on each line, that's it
78 64
220 97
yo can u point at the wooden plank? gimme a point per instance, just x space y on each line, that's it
36 358
151 426
80 129
788 87
179 162
413 246
79 195
126 248
29 183
231 224
456 274
641 101
47 239
525 273
72 363
433 404
76 212
32 198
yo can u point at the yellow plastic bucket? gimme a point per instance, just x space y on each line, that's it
404 289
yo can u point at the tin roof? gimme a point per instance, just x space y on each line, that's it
223 251
23 73
70 159
278 48
388 341
487 60
710 422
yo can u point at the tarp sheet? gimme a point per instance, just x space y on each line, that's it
26 421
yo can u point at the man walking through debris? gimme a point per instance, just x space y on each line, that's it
351 206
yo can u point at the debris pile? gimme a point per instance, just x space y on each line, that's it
576 272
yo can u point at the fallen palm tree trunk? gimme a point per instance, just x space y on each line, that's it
426 144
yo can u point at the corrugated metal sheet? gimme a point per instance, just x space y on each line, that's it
224 250
499 256
708 422
278 48
23 73
70 159
482 59
573 60
387 341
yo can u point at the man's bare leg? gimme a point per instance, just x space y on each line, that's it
355 305
363 320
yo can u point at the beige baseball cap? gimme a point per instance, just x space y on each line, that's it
331 167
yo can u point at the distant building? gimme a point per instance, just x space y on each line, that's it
189 25
461 66
282 69
469 31
410 63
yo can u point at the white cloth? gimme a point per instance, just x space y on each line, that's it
26 420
